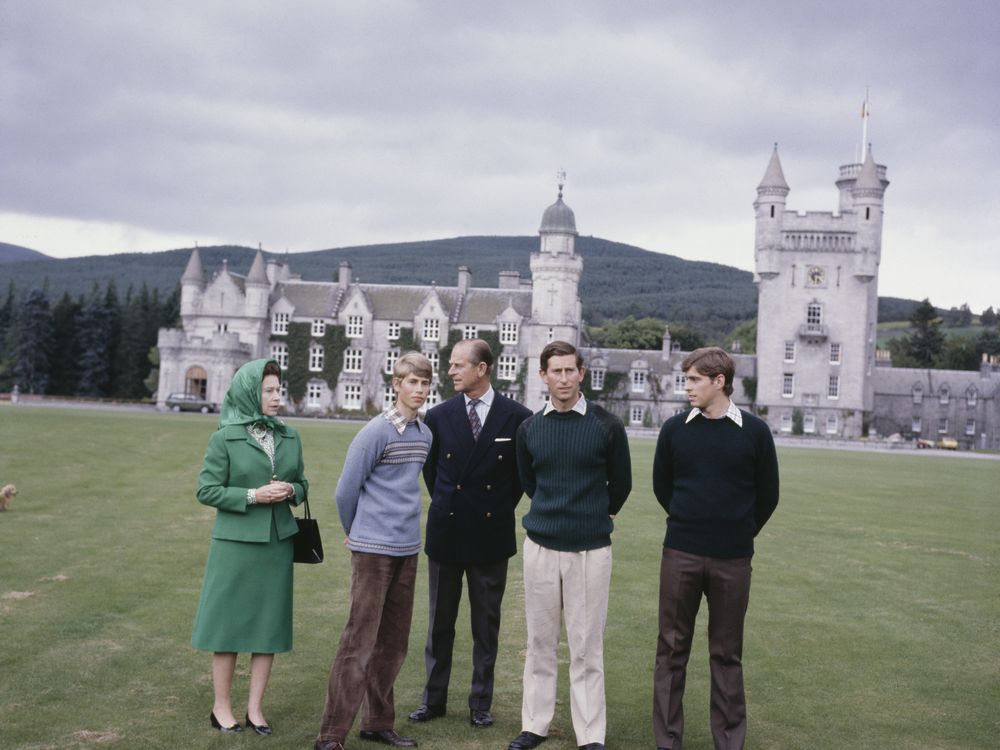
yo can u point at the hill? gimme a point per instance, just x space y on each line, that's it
15 253
618 279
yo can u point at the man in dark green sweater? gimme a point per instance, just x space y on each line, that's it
715 472
574 463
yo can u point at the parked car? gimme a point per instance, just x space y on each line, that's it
923 443
189 402
949 444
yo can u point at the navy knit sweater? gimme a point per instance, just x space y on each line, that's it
717 481
577 471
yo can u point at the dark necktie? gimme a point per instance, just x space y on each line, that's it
474 422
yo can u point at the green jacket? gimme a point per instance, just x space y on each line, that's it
234 463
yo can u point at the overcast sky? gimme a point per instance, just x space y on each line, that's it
141 126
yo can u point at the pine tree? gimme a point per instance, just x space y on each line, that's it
132 361
32 342
113 317
92 344
927 342
6 318
63 359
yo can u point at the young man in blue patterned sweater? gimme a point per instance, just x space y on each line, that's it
378 499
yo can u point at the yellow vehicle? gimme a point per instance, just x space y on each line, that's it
949 444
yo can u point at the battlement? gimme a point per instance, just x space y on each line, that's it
852 171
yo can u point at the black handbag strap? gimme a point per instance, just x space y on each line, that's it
306 503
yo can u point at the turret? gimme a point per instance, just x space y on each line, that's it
770 212
258 288
867 197
555 271
192 285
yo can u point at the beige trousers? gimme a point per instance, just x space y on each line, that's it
574 585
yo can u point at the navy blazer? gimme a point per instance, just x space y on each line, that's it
474 485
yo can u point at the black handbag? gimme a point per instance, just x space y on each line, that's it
307 543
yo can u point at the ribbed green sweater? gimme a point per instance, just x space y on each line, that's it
577 471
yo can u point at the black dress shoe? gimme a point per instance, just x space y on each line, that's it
480 719
225 730
388 737
428 713
261 729
526 741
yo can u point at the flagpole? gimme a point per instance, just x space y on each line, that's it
865 112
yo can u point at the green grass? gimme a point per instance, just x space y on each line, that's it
873 619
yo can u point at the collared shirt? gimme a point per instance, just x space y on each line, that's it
580 406
732 413
483 407
398 420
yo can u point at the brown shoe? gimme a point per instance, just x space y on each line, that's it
328 745
388 737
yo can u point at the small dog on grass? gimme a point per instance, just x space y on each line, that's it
6 495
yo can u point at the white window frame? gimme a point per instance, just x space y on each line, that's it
353 360
318 327
832 424
279 323
508 333
390 360
809 424
314 394
943 425
638 381
680 380
316 357
789 355
352 396
388 396
435 359
507 367
918 394
786 422
394 328
636 415
970 426
432 329
470 332
836 353
916 424
355 326
814 315
433 398
597 379
833 387
971 396
944 394
279 353
788 385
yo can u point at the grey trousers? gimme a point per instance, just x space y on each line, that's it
373 645
726 585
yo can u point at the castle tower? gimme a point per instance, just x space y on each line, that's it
192 286
817 278
258 288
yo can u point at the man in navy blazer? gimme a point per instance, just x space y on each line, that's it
471 475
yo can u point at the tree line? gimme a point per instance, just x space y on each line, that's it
97 345
928 346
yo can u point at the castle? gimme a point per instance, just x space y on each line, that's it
816 370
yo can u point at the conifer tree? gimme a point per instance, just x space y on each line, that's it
92 342
31 342
927 342
63 359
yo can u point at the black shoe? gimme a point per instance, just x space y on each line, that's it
526 741
225 730
262 729
480 719
428 712
388 737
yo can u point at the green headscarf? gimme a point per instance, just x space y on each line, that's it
242 402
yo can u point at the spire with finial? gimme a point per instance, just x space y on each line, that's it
561 179
774 177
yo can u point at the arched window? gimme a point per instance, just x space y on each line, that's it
196 381
918 394
971 396
944 394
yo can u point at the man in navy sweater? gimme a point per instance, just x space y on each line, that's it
715 472
574 463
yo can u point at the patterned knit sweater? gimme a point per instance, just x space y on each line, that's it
577 471
378 494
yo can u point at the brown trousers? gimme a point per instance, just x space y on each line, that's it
726 585
372 647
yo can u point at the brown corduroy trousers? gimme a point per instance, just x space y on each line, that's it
373 645
726 585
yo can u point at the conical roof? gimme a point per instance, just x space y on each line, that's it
257 275
558 218
774 177
194 272
868 177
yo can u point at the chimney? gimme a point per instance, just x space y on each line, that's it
344 275
464 279
665 351
509 280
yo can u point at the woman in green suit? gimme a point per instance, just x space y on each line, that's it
253 471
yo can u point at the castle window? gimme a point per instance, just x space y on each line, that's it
352 360
279 353
507 367
943 425
470 332
638 381
508 333
355 326
831 424
551 335
786 422
390 361
279 323
433 397
834 354
971 396
809 423
787 385
388 397
868 212
221 327
680 380
772 212
833 387
318 327
944 394
597 379
315 358
636 415
352 396
789 351
314 394
970 427
916 424
432 329
435 359
918 394
814 314
393 331
283 392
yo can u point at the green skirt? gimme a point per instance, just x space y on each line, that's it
246 597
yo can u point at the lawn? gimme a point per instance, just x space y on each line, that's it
874 618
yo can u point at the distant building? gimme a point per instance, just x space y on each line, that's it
816 370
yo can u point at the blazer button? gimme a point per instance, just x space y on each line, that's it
500 457
489 515
447 455
458 487
489 487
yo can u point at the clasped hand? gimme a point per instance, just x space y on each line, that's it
274 492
